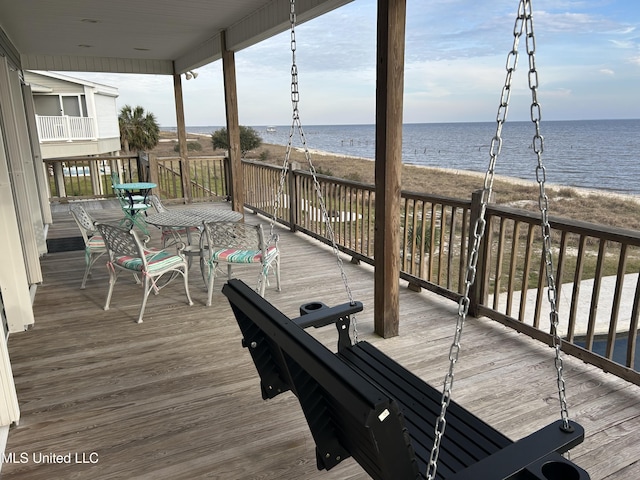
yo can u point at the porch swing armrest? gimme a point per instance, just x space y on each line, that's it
532 457
317 314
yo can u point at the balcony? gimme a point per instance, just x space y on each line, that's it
65 128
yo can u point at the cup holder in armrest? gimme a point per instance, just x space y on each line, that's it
556 470
555 467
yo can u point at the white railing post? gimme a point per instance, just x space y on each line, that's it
67 128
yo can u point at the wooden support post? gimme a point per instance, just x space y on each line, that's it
233 126
58 176
478 293
388 168
153 172
185 170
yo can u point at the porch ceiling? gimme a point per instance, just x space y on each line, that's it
140 36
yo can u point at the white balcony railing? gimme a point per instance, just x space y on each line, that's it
65 128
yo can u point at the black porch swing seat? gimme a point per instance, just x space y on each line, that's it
361 403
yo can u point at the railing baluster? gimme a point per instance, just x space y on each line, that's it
512 266
617 297
413 266
526 269
464 234
450 247
441 247
633 326
432 243
540 297
560 273
499 260
577 279
406 237
423 241
595 295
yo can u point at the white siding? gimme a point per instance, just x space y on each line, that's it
106 116
22 176
60 87
38 166
9 409
96 64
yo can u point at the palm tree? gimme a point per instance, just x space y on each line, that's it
138 131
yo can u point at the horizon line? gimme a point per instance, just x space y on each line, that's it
417 123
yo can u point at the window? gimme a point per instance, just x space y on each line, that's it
56 105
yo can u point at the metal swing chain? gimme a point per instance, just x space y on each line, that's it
296 123
524 18
543 203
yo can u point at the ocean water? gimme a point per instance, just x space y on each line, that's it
595 154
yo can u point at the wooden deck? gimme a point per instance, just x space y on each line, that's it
177 397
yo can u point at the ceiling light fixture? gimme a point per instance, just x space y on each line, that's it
191 74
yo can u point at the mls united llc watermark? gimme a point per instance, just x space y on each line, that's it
51 457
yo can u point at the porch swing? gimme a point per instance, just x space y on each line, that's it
359 402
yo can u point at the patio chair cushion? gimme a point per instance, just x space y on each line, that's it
156 260
232 255
96 243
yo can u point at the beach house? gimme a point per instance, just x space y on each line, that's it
73 117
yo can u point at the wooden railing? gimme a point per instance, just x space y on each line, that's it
593 263
208 177
598 288
90 177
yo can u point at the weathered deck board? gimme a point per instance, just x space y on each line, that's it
177 397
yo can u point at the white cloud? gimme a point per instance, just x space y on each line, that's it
623 43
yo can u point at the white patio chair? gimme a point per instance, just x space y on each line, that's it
94 246
128 253
237 243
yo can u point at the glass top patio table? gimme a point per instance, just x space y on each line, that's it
135 186
129 188
192 217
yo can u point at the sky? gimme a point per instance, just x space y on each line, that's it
587 54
